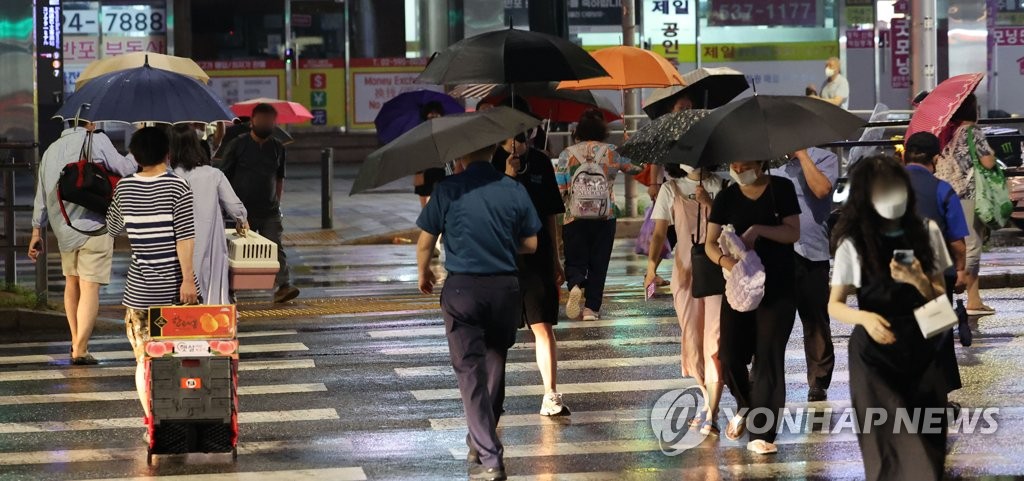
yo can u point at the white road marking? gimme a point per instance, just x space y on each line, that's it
436 331
122 340
332 474
122 454
116 371
125 395
116 355
636 341
442 370
122 423
581 388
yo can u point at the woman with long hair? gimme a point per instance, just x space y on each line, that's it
892 366
212 195
683 203
586 178
764 210
956 166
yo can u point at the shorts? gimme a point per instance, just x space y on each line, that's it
136 323
92 261
537 283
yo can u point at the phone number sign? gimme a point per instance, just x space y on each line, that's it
789 13
115 20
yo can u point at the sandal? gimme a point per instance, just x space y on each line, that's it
736 428
709 428
760 446
86 360
698 420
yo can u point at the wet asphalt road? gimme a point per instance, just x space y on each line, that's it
351 394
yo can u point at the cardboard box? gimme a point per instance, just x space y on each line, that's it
192 322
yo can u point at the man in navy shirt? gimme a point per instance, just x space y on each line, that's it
487 219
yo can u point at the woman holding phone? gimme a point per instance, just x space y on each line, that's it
893 261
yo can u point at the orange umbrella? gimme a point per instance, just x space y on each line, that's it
630 68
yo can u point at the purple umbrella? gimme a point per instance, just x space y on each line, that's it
400 114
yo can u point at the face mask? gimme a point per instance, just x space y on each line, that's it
891 205
262 132
201 133
829 72
686 168
746 177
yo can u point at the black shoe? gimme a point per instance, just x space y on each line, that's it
86 360
487 474
963 330
816 394
285 293
474 456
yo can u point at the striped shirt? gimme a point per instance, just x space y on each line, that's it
155 213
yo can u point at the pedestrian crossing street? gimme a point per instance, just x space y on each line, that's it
350 403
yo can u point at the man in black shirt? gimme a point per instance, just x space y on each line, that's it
254 164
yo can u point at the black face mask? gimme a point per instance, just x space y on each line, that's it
262 133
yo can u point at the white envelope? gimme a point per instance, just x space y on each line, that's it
935 317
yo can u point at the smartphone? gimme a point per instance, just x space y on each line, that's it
903 256
650 290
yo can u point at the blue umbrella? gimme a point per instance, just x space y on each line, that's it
145 94
400 114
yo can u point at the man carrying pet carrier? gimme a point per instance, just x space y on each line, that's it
85 259
486 218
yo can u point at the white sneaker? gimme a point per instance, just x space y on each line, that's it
761 446
589 315
574 305
552 405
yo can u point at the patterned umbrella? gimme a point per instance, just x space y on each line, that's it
652 143
935 111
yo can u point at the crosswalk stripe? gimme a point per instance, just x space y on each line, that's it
578 388
125 395
116 355
125 454
333 474
436 331
601 417
635 341
121 423
116 371
123 340
441 370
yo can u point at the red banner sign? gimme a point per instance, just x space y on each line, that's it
900 45
792 13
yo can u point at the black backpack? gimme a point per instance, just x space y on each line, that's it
88 184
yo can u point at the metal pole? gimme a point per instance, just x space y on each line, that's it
327 188
288 67
10 277
923 45
630 104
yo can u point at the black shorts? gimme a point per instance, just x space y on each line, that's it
537 283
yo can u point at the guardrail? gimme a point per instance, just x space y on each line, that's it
9 247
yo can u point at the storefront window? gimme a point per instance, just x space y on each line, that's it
237 29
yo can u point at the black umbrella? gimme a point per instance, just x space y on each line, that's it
763 127
438 141
707 88
510 56
652 143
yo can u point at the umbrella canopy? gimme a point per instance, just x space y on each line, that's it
545 99
652 143
510 56
146 94
629 68
763 127
439 140
403 112
707 88
287 112
184 66
935 111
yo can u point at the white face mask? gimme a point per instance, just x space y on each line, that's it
686 168
829 72
746 177
891 205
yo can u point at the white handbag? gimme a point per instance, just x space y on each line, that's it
935 317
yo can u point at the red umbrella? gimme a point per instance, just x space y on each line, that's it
287 112
935 111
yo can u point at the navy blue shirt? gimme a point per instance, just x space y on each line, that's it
484 215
